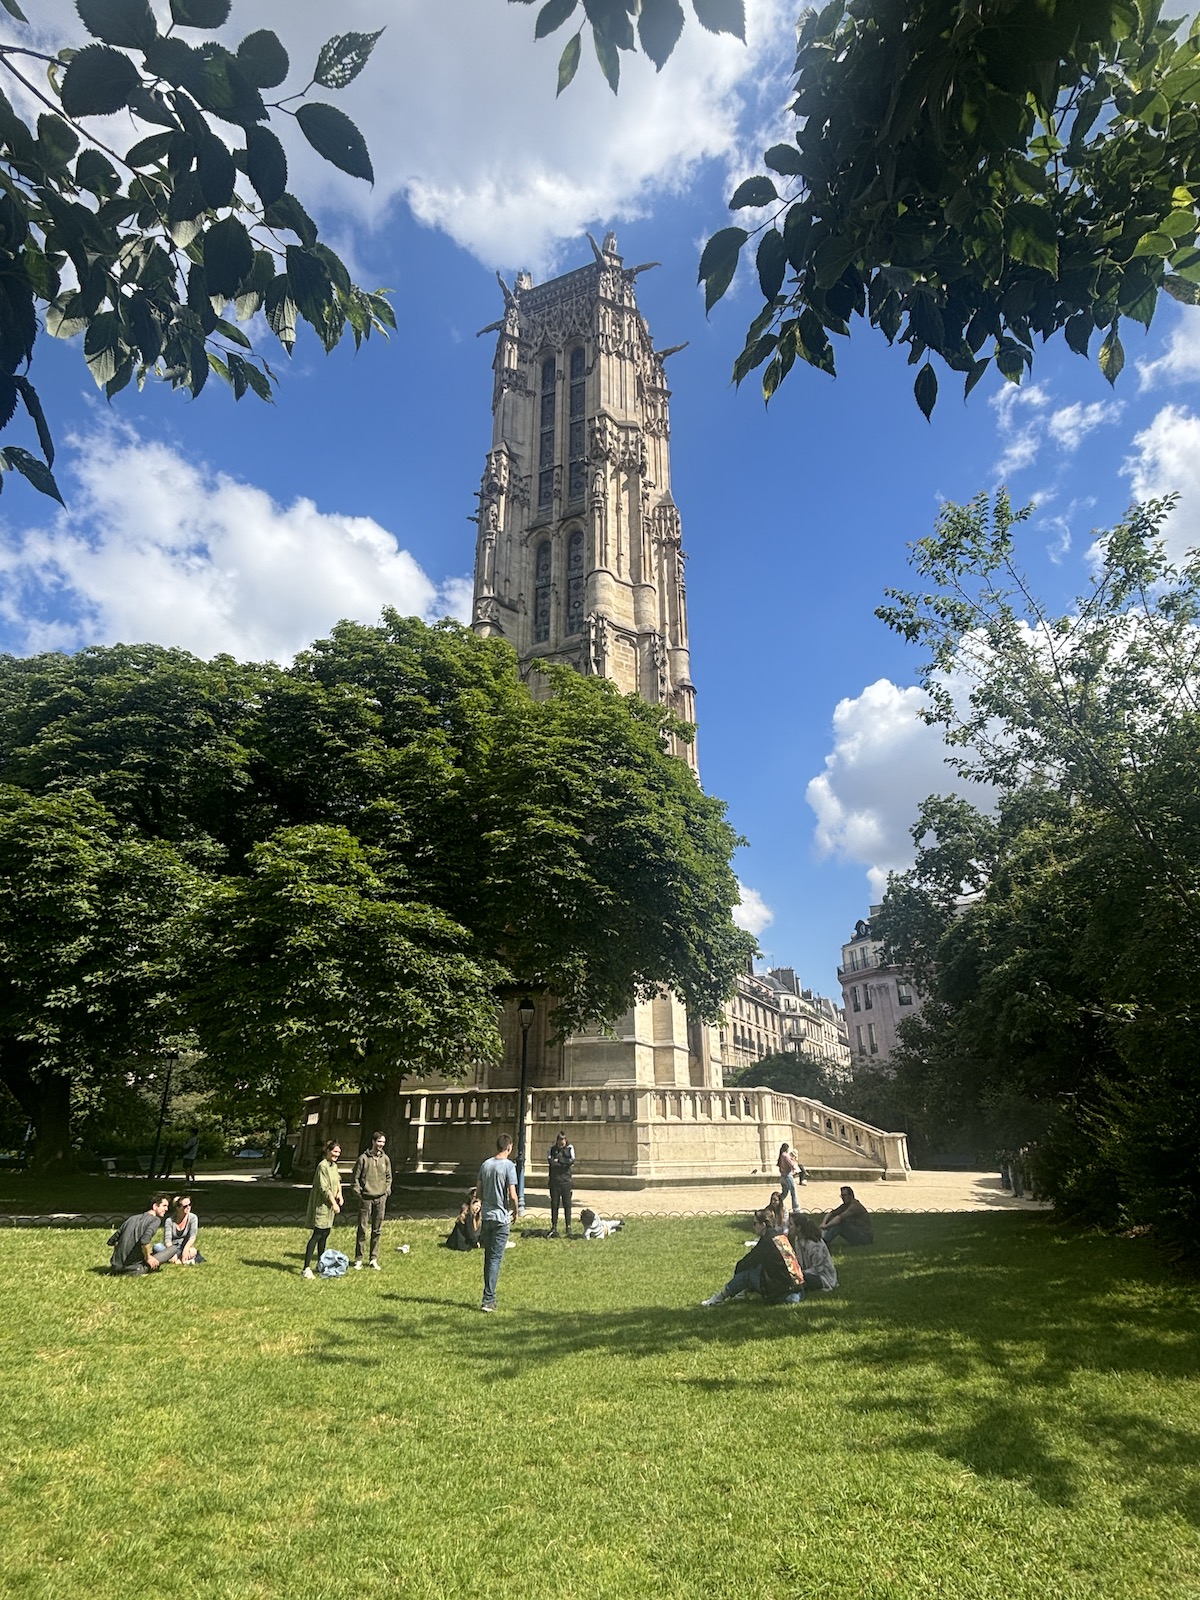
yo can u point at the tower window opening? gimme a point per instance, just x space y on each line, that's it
575 582
576 454
541 593
546 436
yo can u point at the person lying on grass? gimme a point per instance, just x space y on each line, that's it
179 1234
464 1235
812 1253
132 1243
850 1221
595 1227
771 1269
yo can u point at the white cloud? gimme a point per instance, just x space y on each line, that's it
885 760
752 912
1180 362
1022 438
1168 462
458 108
1070 425
159 548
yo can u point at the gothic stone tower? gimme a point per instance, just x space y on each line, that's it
579 557
579 560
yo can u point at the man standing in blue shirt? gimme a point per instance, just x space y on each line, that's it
498 1192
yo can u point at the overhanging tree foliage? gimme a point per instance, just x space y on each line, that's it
383 840
1061 968
968 178
157 247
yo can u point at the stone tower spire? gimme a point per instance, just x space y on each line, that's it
579 556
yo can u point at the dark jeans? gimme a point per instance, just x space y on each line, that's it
849 1231
493 1236
750 1279
370 1208
560 1195
316 1245
135 1269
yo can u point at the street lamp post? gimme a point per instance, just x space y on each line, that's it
171 1057
525 1014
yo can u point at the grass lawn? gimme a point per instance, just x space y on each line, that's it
990 1408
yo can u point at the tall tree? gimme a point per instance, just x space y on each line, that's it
967 179
158 250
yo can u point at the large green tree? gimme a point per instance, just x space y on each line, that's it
159 247
1057 940
966 177
388 837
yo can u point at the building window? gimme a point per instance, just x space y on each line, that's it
904 992
546 436
575 582
854 999
576 450
541 593
868 1003
873 1040
862 1049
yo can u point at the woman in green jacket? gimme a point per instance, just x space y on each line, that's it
324 1203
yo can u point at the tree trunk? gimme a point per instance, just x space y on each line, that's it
45 1098
380 1113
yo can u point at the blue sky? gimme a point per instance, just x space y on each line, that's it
252 528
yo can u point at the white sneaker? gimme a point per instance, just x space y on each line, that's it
717 1299
358 1266
374 1265
308 1273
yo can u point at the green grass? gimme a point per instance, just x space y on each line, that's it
988 1409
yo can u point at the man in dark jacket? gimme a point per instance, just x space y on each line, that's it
372 1183
770 1269
562 1164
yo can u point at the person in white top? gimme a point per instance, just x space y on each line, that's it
595 1227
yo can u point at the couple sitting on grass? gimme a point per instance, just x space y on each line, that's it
783 1263
134 1249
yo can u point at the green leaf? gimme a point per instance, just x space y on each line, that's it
1078 332
14 10
343 57
129 23
1032 236
785 158
753 356
147 152
96 173
216 173
98 81
722 16
102 346
1155 244
38 417
753 192
978 368
719 263
925 389
552 15
57 139
309 284
796 227
568 62
608 57
659 26
281 312
1112 355
772 263
8 399
263 59
333 136
287 213
266 164
228 257
1180 289
31 469
200 13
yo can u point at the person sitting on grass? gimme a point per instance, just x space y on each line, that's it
771 1269
324 1203
179 1234
595 1227
132 1243
464 1235
776 1212
812 1253
850 1221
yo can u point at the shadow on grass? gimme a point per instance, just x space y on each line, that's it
927 1326
273 1266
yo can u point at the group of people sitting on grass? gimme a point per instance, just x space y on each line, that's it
789 1257
135 1249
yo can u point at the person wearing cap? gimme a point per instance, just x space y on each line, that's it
562 1162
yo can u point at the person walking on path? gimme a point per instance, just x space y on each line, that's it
133 1252
789 1168
562 1162
188 1155
850 1221
372 1183
498 1192
324 1203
